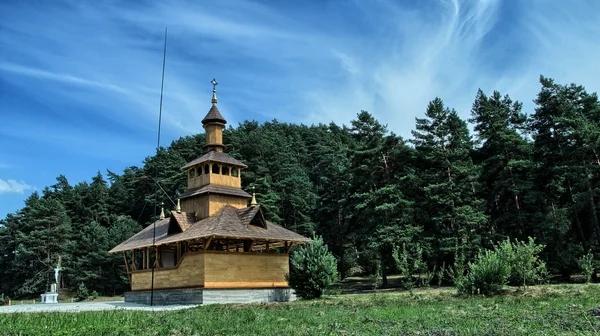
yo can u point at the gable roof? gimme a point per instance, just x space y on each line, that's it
229 223
213 156
180 221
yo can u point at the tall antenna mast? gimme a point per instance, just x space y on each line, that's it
162 86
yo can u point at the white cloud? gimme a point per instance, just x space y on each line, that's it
314 63
451 49
13 186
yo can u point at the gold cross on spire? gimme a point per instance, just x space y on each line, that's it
214 97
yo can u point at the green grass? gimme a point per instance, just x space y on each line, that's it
541 310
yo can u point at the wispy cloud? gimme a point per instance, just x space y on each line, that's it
83 77
59 77
313 63
452 48
12 186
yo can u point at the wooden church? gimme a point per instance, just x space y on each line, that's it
216 247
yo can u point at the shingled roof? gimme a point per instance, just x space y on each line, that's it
215 189
214 115
215 157
229 223
144 237
181 221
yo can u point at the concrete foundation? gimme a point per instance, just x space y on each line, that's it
211 296
49 298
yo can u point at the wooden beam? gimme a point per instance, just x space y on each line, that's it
156 256
207 243
133 266
126 263
287 249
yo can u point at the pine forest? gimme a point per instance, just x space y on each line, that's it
454 188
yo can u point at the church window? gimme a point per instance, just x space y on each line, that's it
215 168
225 170
235 172
199 172
207 169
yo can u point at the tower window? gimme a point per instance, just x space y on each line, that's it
235 172
199 171
206 169
215 168
225 170
192 173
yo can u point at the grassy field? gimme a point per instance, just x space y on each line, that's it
541 310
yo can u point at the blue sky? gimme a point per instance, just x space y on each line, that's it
80 80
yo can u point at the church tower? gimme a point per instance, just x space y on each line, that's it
214 242
214 179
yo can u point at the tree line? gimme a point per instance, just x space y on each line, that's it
443 194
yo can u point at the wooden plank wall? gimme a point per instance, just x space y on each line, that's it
189 273
214 133
217 202
197 204
245 269
218 269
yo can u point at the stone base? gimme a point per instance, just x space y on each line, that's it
49 298
211 296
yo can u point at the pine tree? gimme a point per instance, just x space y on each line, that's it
564 127
43 234
506 166
448 176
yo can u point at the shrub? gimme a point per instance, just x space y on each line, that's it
4 299
487 274
93 295
411 263
312 269
440 274
586 264
456 273
526 267
82 291
516 263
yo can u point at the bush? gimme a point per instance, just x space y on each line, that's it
487 275
312 269
586 264
82 292
4 299
457 272
94 295
516 263
411 264
526 267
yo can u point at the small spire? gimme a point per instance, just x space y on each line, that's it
253 202
162 213
214 96
178 209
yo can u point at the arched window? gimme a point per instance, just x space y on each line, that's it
192 173
199 171
215 168
206 169
235 172
225 170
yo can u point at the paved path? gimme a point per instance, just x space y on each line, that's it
86 306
